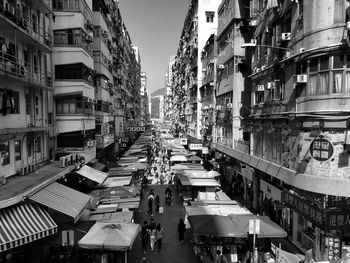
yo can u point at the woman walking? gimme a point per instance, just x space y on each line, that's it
159 234
152 238
181 229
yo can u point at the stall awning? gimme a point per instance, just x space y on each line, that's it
204 182
214 225
111 236
119 217
268 229
63 199
117 181
92 174
21 224
178 158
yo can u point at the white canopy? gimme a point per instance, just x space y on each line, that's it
110 236
178 158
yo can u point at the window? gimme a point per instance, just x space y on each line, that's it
5 150
210 17
38 145
73 71
29 148
259 93
27 98
18 150
341 74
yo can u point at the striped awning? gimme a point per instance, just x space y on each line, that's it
63 199
24 223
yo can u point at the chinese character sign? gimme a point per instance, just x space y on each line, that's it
321 149
334 248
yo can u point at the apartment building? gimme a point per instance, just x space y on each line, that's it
144 93
168 96
200 22
295 168
26 102
73 59
58 96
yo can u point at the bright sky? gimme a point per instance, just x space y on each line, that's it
154 27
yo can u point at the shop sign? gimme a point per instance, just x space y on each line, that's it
195 146
334 248
136 128
321 149
254 226
183 141
304 207
205 150
338 221
247 172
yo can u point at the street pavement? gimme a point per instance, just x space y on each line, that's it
172 250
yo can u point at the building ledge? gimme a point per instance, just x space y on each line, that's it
25 129
316 184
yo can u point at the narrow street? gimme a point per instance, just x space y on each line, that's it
172 250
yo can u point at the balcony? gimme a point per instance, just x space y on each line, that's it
104 140
77 38
28 28
21 70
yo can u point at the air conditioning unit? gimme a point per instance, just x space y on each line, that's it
212 61
229 105
89 143
204 69
300 78
285 36
221 66
24 171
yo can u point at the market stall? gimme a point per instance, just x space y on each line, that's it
110 240
231 233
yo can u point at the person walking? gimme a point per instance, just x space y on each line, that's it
157 203
150 203
152 238
144 236
181 229
159 235
152 225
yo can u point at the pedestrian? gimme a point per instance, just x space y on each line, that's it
152 238
150 203
181 229
153 224
144 236
220 258
157 203
159 235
